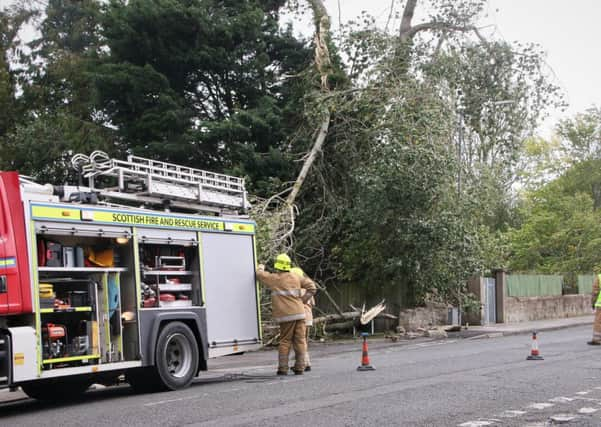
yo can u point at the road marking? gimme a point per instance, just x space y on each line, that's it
434 343
475 424
512 413
583 393
195 396
562 399
587 410
162 402
588 399
540 405
282 380
563 418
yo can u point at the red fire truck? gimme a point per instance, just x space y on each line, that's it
123 276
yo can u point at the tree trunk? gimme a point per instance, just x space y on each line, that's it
348 315
324 66
342 326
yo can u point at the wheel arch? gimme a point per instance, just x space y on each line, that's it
157 321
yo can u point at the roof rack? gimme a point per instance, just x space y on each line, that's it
154 182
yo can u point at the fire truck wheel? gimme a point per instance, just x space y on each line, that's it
176 356
57 390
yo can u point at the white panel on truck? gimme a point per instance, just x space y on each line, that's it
24 353
230 289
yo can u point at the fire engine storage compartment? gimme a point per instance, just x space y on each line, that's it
85 284
231 292
169 269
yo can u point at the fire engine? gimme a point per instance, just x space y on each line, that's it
144 273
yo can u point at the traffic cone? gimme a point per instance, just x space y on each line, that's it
365 365
534 353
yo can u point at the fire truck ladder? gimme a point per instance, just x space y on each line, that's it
149 181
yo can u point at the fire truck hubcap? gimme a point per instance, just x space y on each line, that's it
178 355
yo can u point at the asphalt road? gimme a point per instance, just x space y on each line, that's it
437 383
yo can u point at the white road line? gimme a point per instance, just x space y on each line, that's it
583 393
540 405
475 424
510 413
563 418
433 343
196 396
282 381
562 399
588 399
587 410
162 402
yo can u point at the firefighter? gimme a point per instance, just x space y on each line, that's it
288 310
308 317
596 302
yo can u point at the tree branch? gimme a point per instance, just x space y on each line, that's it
324 66
407 18
437 26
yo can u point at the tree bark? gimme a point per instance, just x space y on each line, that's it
327 294
342 326
407 31
324 66
348 315
407 18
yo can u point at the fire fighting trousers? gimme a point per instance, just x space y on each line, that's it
597 326
307 358
292 334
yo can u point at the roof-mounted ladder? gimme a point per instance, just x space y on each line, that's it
149 181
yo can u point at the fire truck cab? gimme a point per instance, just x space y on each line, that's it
93 288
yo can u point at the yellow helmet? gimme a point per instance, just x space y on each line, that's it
282 262
298 271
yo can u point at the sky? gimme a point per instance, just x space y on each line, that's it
568 31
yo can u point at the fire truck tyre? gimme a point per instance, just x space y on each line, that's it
57 390
176 356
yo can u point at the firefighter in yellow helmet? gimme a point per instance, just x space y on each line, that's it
288 310
308 317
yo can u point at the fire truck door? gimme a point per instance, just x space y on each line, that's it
15 289
4 261
230 287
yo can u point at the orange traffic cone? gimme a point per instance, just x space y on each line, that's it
534 353
365 365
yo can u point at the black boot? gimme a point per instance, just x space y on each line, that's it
594 343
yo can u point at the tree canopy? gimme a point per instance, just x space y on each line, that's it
412 146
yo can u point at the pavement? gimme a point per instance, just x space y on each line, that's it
506 329
267 357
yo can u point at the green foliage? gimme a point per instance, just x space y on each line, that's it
49 142
560 232
200 82
197 82
582 135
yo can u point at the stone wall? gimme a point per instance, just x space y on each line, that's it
523 309
423 317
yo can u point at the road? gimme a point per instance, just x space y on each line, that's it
453 382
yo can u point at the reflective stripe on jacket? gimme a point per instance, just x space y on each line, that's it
286 294
309 311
